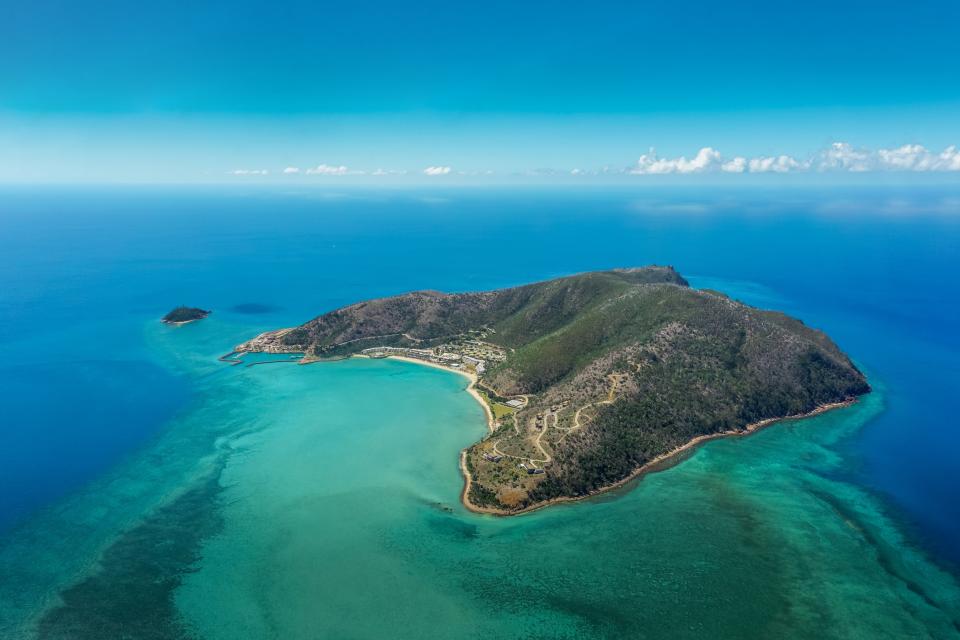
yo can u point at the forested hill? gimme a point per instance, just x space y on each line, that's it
615 367
518 315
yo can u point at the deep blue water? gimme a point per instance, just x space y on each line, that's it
83 273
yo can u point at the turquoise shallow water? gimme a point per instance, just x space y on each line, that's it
177 496
330 508
341 519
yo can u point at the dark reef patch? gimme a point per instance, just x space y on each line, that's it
253 308
131 594
887 557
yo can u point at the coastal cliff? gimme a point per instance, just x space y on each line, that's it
591 378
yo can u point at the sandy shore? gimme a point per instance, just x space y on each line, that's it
181 322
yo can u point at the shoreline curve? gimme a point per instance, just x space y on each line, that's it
660 463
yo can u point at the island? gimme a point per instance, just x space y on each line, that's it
593 379
183 315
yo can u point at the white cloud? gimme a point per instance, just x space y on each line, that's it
838 157
707 159
909 157
915 157
328 170
774 164
841 156
736 165
950 159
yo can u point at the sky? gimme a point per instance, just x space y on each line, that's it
442 92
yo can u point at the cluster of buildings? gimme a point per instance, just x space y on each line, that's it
469 353
541 419
479 350
436 356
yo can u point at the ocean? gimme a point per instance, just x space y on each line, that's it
149 490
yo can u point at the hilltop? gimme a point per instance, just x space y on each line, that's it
592 377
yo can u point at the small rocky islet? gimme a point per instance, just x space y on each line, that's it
183 315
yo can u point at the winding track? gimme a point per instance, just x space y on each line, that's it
577 424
